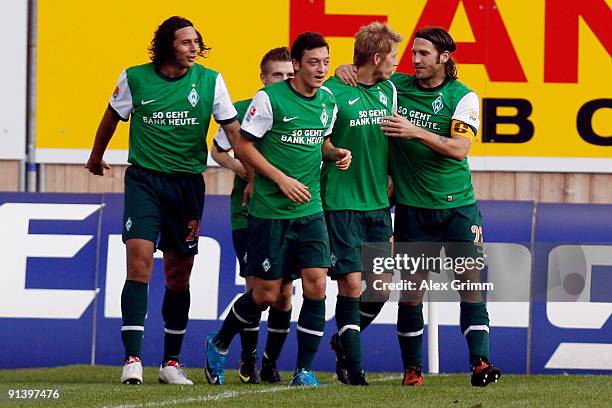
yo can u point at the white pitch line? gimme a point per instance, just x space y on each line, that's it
387 378
203 398
230 394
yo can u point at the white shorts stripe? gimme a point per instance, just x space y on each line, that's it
348 327
134 328
308 331
477 327
410 334
238 316
251 329
273 330
170 331
366 314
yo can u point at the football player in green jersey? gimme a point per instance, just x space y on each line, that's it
170 101
355 201
275 67
428 144
290 122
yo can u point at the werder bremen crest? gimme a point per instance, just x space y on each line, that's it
193 97
437 104
382 98
324 117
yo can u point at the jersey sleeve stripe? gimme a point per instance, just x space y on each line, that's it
121 118
219 148
226 121
249 136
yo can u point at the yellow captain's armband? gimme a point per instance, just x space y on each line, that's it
462 129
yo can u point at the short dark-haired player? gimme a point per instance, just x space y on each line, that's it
284 138
275 67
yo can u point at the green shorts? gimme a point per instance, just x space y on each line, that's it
280 248
348 230
164 206
453 225
240 238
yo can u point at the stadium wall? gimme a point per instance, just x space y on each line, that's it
595 188
63 267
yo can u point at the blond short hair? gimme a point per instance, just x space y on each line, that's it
374 38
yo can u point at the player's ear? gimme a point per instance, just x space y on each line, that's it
444 57
376 58
296 65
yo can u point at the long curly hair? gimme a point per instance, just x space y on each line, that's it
161 50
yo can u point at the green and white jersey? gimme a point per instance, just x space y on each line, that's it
170 116
290 128
239 212
422 177
363 186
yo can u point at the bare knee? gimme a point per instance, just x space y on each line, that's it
178 282
265 298
284 299
140 270
139 260
314 288
350 285
178 271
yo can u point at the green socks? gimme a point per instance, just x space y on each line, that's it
248 339
368 312
311 324
347 319
475 327
278 329
410 334
133 311
244 313
175 312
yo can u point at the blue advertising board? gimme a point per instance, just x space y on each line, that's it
63 268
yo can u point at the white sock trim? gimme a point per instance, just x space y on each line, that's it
273 330
238 316
348 327
308 331
170 331
132 328
410 334
366 314
251 329
476 327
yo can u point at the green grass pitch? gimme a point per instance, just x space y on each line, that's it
97 386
